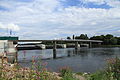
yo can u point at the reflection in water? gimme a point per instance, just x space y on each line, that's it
69 53
82 60
105 51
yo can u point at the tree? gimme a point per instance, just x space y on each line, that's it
82 36
113 41
109 36
68 38
73 37
107 39
96 38
118 40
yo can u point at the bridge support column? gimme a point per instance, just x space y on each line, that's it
99 44
76 46
54 49
16 54
90 45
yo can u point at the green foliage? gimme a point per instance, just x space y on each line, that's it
109 36
98 37
66 74
112 72
113 69
118 40
79 73
68 38
73 37
65 70
82 36
113 41
38 72
107 39
100 75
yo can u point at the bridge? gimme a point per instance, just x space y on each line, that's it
54 42
74 40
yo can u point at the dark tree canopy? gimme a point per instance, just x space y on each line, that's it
68 38
113 41
73 37
118 40
108 39
109 36
82 36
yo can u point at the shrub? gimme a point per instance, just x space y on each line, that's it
113 69
111 72
67 74
16 72
99 75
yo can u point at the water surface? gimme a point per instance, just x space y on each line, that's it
83 60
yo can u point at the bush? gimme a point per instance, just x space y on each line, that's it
16 72
67 74
113 69
112 72
99 75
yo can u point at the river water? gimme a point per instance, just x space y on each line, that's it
83 60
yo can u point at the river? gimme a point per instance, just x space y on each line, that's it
84 60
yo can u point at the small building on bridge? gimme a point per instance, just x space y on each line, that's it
8 38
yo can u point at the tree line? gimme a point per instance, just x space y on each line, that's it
108 39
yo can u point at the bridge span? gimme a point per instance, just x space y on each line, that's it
75 40
54 42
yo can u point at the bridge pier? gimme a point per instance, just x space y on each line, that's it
90 45
99 43
54 49
15 43
76 45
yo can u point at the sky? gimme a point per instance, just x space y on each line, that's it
53 19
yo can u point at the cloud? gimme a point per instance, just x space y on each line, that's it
113 3
10 26
48 19
95 1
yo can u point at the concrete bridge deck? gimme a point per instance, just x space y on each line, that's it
75 40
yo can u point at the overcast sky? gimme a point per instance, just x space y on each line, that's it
49 19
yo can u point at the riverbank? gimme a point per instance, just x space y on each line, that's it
15 72
109 46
